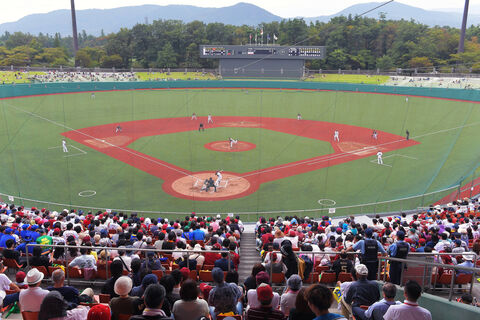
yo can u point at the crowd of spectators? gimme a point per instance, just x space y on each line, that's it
68 76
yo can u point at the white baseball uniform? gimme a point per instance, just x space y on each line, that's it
336 136
299 116
209 119
375 135
219 178
64 146
233 142
379 157
194 116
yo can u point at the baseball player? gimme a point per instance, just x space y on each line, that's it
336 136
209 118
407 133
374 135
93 95
201 127
219 178
118 129
232 142
64 145
194 116
379 157
299 116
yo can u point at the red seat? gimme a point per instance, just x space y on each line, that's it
463 278
43 270
104 298
278 278
205 276
344 277
327 277
193 275
319 269
312 278
74 272
11 264
123 316
101 274
445 278
208 267
27 315
158 273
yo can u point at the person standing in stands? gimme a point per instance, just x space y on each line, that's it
369 249
409 309
399 249
343 264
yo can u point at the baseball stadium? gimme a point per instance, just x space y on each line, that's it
159 160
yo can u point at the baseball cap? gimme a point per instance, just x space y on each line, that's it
264 292
361 269
368 232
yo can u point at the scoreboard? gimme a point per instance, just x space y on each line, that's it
254 52
262 61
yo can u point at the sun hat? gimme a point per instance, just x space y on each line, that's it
34 276
361 269
467 257
294 282
123 286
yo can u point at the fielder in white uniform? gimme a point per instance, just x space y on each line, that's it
194 116
64 145
336 136
379 157
209 119
375 135
118 129
299 116
219 178
232 142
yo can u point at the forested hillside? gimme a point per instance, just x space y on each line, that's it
352 43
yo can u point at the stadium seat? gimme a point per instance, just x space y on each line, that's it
208 267
205 276
74 272
444 278
278 278
11 264
463 278
27 315
320 269
43 270
313 278
193 275
104 298
158 273
344 277
123 316
327 277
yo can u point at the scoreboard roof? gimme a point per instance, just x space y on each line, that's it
262 52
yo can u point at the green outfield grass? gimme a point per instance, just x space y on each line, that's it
152 76
9 77
34 166
349 78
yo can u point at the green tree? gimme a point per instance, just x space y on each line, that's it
83 59
385 63
337 59
111 61
167 58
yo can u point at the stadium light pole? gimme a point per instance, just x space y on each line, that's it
74 27
461 45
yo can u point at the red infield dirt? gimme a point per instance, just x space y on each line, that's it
355 143
224 146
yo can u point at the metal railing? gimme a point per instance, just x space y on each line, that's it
381 271
107 255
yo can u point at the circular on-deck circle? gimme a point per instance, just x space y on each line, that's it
224 146
327 202
87 193
231 186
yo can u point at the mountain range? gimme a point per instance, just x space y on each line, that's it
93 21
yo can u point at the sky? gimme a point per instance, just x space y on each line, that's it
14 10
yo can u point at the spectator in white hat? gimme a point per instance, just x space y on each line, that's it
31 298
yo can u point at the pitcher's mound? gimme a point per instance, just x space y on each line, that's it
224 146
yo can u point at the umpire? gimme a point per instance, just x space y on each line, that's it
369 249
400 250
